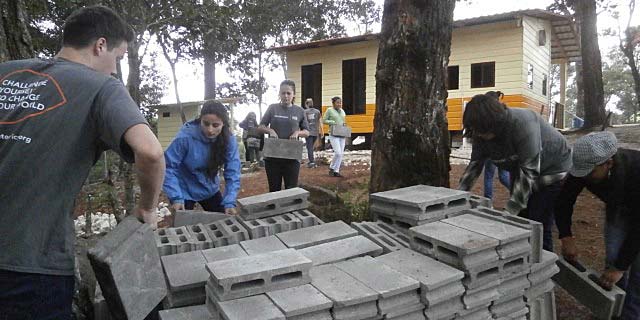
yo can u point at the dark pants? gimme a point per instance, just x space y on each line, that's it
279 169
616 231
311 140
213 204
540 208
35 296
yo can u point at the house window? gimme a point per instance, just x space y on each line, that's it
453 77
483 74
312 84
354 86
544 84
166 114
530 76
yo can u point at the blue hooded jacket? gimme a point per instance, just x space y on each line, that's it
186 177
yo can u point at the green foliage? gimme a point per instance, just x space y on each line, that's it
618 85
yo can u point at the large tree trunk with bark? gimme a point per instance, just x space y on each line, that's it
594 112
209 76
15 40
411 139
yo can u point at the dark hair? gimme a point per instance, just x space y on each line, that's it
291 84
334 99
495 94
88 24
484 114
219 147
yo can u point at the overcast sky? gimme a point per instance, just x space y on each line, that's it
190 76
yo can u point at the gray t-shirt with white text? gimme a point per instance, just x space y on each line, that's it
313 118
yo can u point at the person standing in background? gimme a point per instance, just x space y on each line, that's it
336 116
313 117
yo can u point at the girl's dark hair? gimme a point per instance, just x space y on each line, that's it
334 99
219 147
484 114
291 84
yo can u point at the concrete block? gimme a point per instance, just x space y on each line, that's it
401 224
185 270
100 307
423 202
301 300
341 288
438 281
200 236
548 259
186 313
507 308
282 149
165 242
339 250
224 253
256 228
581 285
445 309
227 231
386 281
191 217
316 235
253 307
466 250
366 310
399 302
262 245
241 277
481 296
518 315
415 315
481 313
212 305
543 275
189 297
318 315
479 201
539 289
402 238
127 266
308 219
544 307
404 310
281 223
182 238
273 203
380 238
502 216
515 286
340 130
515 265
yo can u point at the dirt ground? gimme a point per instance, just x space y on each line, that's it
588 216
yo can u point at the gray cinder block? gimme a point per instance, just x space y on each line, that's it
507 308
479 201
445 309
182 238
339 250
224 253
282 149
423 202
282 223
402 238
200 236
262 245
323 233
604 304
481 313
380 238
191 217
481 296
226 232
253 307
127 266
401 223
186 313
405 310
302 300
256 228
544 307
241 277
340 130
165 242
438 281
273 203
308 219
185 270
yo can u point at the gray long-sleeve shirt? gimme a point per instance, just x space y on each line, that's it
534 152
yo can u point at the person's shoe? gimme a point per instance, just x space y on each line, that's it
311 165
337 174
331 172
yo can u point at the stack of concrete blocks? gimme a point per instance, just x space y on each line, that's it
236 288
441 287
329 242
186 274
473 253
479 201
583 284
412 206
371 231
127 266
398 296
540 297
186 313
191 217
302 303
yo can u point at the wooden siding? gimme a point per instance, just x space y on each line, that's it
539 57
169 127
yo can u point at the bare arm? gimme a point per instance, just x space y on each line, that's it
267 130
150 169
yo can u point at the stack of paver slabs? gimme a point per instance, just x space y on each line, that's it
540 298
373 232
441 286
416 205
236 288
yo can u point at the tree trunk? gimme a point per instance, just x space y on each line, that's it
594 112
579 91
133 85
629 52
411 139
209 77
172 64
15 40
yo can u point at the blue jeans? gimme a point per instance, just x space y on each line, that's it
489 172
310 141
615 232
32 296
540 208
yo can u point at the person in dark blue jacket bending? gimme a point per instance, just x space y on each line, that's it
200 149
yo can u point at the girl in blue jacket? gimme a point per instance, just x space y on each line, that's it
195 156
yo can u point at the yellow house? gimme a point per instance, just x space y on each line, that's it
510 52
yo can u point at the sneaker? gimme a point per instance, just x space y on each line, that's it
331 172
336 174
311 165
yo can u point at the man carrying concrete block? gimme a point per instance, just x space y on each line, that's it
613 175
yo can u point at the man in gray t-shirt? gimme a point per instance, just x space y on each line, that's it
313 117
56 117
